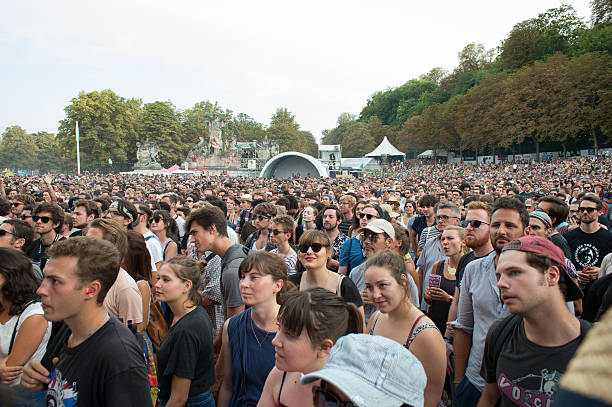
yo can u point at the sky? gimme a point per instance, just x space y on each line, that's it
316 58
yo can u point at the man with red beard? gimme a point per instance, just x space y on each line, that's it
479 304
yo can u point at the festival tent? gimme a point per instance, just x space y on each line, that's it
171 169
386 149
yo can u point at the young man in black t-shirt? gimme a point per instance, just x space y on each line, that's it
103 363
526 354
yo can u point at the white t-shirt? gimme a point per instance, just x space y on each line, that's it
6 332
155 248
180 222
231 234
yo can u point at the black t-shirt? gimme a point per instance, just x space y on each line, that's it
187 351
38 251
594 296
560 242
588 249
348 289
527 374
107 369
419 224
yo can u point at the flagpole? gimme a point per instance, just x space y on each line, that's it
78 149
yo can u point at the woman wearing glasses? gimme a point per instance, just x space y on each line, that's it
248 353
259 240
397 319
166 229
314 250
309 323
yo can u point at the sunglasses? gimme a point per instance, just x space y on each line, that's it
43 219
189 200
316 247
16 204
476 223
369 216
588 210
371 237
262 217
24 217
6 232
324 398
156 219
276 232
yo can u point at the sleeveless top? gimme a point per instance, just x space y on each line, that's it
438 311
252 357
281 390
413 332
164 245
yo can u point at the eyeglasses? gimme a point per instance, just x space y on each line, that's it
156 219
476 223
189 200
43 219
6 232
276 232
369 216
262 217
445 218
24 217
324 398
316 247
16 204
372 237
588 210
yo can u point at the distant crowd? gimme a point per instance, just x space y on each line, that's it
430 285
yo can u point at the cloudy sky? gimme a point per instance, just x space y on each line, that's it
316 58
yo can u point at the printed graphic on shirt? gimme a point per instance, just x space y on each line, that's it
532 390
586 254
61 393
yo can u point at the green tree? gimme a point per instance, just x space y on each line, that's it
108 127
195 121
49 152
246 129
474 57
161 123
434 75
18 150
286 132
601 12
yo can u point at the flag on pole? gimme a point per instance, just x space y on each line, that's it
78 149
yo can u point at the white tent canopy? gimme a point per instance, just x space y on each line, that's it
363 163
385 148
429 153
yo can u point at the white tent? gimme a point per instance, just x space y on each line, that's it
357 164
429 153
385 149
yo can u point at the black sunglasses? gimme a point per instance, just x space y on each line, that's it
157 219
6 232
16 204
262 217
445 218
476 223
276 232
316 247
588 210
24 217
324 398
43 219
369 216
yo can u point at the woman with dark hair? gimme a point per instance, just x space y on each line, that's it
355 227
138 265
309 323
166 229
247 337
24 331
314 250
185 357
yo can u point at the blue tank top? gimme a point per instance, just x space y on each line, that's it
252 359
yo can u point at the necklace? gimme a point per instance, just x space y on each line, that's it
260 343
452 270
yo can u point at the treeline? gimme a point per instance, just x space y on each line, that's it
550 81
110 127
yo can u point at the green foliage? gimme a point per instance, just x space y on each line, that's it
18 150
286 132
161 123
354 137
601 12
49 152
245 128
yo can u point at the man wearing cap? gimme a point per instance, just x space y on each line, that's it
369 370
377 235
526 354
479 305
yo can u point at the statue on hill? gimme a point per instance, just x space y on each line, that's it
147 156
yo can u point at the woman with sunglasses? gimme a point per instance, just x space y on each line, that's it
248 353
309 323
24 331
397 319
314 250
260 239
166 229
185 356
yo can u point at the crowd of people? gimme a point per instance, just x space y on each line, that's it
443 284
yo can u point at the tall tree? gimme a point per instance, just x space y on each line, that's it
286 132
245 128
161 123
18 150
49 153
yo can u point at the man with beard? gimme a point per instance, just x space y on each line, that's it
477 238
479 304
332 217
